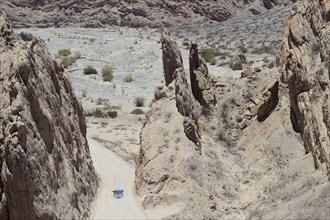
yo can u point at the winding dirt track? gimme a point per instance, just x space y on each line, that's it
113 172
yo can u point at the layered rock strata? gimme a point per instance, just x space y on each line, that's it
46 168
304 64
151 13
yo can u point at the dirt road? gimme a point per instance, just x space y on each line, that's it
113 172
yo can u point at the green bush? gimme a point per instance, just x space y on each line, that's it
128 78
209 54
96 113
69 60
139 101
90 70
137 111
112 114
107 73
64 52
264 49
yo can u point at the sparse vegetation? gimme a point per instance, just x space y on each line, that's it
84 93
209 54
128 79
263 49
107 73
137 111
107 111
64 52
67 60
90 70
139 101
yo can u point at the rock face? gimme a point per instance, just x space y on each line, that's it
171 57
100 13
269 101
185 106
199 76
304 63
46 169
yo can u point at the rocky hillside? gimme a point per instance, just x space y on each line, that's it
46 169
250 148
152 13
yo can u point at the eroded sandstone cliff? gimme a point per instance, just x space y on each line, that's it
304 65
251 164
46 168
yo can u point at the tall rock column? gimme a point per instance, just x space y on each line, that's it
45 164
172 58
199 77
304 64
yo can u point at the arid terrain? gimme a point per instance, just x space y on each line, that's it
199 120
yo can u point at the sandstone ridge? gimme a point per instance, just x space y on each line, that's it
46 168
304 65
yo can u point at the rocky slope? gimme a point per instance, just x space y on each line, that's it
304 61
46 169
152 13
248 162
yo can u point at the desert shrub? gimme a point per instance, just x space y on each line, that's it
90 70
221 135
128 78
69 60
137 111
206 110
64 52
96 113
209 54
213 61
263 49
139 101
107 73
112 114
84 93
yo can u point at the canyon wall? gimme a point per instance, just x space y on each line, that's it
46 168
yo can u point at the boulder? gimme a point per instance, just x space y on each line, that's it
236 63
246 73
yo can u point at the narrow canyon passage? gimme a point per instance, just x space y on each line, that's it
113 172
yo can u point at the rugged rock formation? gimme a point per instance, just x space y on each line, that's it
171 57
199 77
304 63
46 169
269 101
152 13
185 106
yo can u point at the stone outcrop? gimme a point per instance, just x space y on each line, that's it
172 58
185 106
199 77
304 64
46 168
101 13
269 102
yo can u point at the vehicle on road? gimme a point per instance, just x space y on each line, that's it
118 193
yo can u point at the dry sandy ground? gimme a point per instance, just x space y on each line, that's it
113 172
